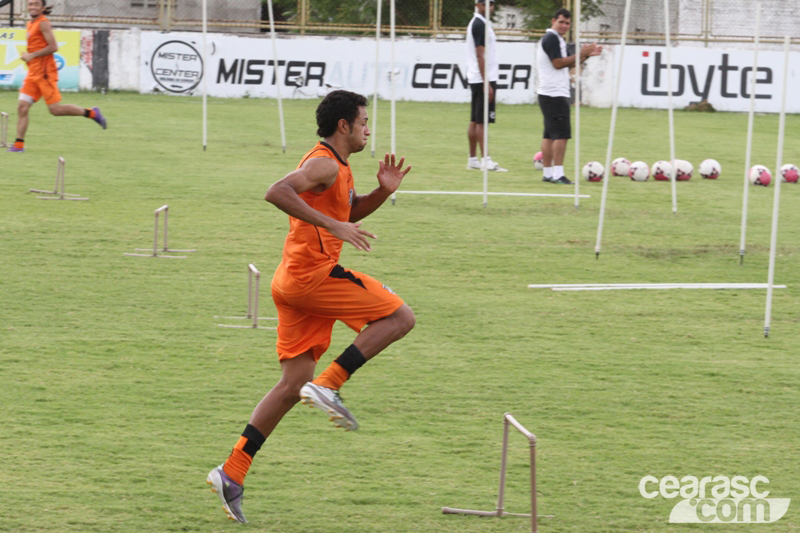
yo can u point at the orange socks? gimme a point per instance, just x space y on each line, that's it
19 144
89 113
341 369
332 377
241 457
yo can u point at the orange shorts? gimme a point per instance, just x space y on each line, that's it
306 322
36 88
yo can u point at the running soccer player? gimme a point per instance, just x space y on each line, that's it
311 290
42 78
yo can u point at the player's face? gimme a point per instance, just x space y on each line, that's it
561 24
35 8
360 131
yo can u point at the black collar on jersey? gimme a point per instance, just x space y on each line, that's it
334 152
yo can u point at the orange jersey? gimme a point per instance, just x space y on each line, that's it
43 67
311 252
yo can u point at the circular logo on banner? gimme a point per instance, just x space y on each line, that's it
177 66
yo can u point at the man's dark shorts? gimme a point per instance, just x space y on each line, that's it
555 110
476 115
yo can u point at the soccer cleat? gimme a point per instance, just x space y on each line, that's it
15 149
563 180
547 180
493 165
230 492
328 400
99 118
473 164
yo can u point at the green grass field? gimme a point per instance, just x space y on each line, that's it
120 392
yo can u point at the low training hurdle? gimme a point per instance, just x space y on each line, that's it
650 286
4 129
165 209
58 189
252 303
509 420
546 195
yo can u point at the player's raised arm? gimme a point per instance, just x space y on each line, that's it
316 174
390 175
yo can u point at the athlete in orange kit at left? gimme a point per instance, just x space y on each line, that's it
42 78
312 291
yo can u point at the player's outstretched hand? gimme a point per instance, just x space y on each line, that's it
390 174
351 232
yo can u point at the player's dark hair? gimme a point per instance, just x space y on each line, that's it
335 106
563 11
47 9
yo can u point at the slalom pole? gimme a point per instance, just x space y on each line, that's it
674 170
613 126
486 85
578 103
205 77
391 78
374 126
753 74
277 73
773 241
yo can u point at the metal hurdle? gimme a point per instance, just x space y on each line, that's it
252 303
509 420
166 249
58 189
4 129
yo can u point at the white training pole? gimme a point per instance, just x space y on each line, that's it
391 79
487 11
205 77
753 75
577 102
277 73
674 172
374 126
773 241
613 125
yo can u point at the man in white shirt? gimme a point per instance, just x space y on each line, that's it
481 61
554 91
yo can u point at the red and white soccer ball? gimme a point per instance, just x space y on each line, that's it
593 171
639 171
710 169
683 170
538 161
620 166
662 170
759 175
790 173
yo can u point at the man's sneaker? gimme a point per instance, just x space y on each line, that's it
493 165
329 401
230 492
547 179
473 164
563 180
99 118
15 149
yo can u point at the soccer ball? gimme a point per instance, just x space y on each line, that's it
683 170
593 171
639 171
662 170
710 169
790 173
620 166
759 175
538 161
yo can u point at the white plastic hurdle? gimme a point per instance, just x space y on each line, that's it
58 189
509 420
166 249
3 129
252 303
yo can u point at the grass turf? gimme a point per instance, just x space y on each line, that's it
120 392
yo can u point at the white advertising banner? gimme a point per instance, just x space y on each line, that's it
720 76
426 70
